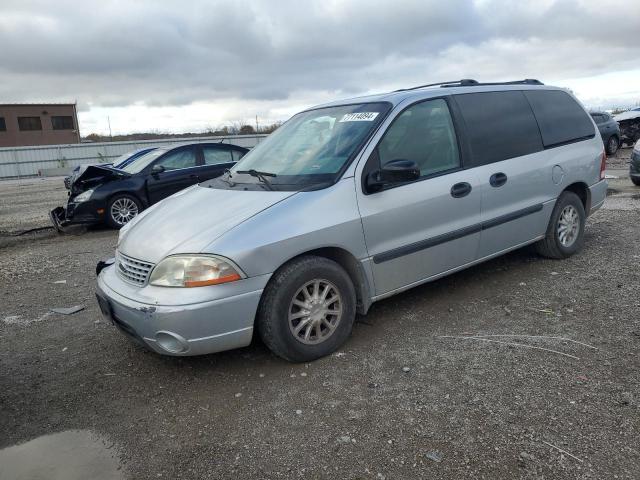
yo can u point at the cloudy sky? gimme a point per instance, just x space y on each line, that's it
193 65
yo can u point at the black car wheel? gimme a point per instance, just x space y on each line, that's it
612 145
122 209
307 310
636 181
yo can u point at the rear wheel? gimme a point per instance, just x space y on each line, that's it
122 209
612 145
636 181
565 232
307 310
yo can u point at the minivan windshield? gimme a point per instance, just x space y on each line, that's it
140 163
311 148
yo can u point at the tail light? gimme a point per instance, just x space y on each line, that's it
603 164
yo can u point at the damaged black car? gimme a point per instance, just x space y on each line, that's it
105 194
629 122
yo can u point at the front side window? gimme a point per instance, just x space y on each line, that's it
3 125
26 124
174 160
61 122
310 149
216 155
425 134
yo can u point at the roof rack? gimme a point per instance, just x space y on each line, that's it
470 82
465 82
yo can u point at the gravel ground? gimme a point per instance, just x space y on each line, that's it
404 398
26 203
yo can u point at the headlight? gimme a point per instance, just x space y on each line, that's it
84 196
194 271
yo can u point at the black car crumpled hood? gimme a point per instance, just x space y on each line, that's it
95 175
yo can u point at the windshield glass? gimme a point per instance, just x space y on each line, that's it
121 159
312 147
141 163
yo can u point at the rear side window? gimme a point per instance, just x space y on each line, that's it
560 117
216 155
500 125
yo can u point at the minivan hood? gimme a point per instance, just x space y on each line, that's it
191 219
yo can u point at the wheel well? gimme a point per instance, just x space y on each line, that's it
353 268
582 191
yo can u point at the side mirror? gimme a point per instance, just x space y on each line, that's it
156 169
395 171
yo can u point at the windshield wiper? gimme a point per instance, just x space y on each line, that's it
262 176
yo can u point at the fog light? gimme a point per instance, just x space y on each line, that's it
100 211
172 342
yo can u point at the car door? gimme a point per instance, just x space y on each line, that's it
508 157
179 170
216 159
417 230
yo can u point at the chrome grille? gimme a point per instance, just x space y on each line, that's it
132 270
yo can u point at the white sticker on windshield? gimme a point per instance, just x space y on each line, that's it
360 117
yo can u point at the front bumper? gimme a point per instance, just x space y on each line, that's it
181 322
77 213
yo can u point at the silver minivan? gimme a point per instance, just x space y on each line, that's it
352 202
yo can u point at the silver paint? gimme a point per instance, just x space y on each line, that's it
262 230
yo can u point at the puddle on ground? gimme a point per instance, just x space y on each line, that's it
70 455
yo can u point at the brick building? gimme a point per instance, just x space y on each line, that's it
38 124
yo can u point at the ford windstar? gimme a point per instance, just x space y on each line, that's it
352 202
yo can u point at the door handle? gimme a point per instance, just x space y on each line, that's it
498 179
193 175
460 190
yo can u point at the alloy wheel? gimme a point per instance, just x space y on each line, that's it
568 226
123 210
315 311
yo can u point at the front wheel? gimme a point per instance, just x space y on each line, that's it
636 181
122 209
307 310
565 232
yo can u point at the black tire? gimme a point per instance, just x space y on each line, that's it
121 197
636 181
273 312
551 246
612 145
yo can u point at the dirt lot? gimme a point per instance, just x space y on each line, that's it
404 398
